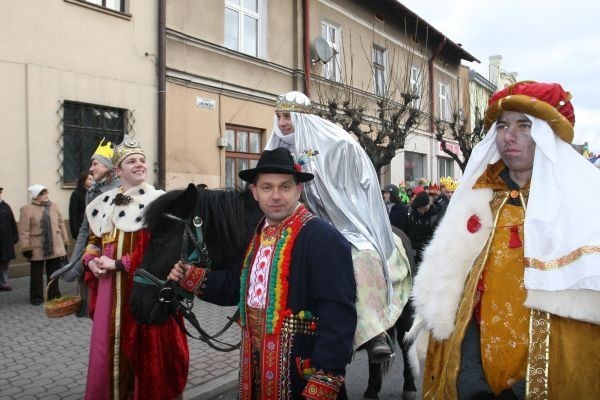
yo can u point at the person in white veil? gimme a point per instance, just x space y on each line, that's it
509 289
346 193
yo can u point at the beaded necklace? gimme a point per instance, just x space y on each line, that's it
277 294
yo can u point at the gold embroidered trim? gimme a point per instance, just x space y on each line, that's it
117 280
562 261
536 383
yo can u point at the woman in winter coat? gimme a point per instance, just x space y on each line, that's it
44 239
9 235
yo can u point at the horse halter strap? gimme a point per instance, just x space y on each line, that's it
200 253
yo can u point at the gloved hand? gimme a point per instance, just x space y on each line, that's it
28 254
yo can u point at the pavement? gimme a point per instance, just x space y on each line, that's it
46 358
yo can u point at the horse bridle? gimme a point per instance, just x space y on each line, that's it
171 292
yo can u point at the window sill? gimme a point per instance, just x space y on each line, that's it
101 9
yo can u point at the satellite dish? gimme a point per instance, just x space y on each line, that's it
323 49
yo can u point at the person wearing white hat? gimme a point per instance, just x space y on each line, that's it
44 240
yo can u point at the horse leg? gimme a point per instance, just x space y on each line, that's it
409 390
375 380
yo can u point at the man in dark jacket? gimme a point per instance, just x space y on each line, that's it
423 218
9 236
397 210
296 293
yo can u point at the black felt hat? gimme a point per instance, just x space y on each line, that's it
276 161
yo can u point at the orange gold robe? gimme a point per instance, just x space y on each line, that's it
558 357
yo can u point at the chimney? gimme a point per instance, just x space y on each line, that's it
494 69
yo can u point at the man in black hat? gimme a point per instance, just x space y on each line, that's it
297 297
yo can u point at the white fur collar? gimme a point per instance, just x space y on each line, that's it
439 284
103 215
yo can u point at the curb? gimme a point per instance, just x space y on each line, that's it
213 388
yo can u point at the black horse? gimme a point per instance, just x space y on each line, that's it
222 220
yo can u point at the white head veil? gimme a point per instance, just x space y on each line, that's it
561 236
346 190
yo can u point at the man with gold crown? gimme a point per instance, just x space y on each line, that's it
508 294
346 193
101 169
127 360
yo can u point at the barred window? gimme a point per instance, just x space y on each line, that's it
84 127
244 146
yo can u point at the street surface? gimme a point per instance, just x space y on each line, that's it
42 358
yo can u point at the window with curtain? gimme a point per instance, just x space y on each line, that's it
379 64
244 146
332 70
243 26
414 167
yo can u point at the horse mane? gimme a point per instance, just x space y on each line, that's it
229 217
163 204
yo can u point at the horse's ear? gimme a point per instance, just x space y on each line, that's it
186 201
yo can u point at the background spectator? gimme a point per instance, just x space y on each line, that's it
77 202
43 238
9 235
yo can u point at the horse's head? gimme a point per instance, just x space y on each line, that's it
228 218
163 251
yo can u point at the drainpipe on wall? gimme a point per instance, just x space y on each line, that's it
162 104
306 40
431 102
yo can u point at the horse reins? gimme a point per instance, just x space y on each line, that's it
171 292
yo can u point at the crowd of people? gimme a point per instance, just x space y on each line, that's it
504 294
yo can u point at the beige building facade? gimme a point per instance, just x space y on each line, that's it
227 60
72 72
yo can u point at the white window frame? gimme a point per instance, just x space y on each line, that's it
259 16
332 70
109 4
380 68
415 87
448 165
444 101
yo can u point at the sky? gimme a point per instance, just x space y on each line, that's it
547 41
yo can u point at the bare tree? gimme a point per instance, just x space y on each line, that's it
456 129
386 110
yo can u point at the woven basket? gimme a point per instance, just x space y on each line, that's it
61 307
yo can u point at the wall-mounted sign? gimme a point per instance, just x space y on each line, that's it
205 103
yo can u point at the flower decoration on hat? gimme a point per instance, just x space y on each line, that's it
305 156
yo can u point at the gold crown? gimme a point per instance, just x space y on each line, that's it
128 146
293 102
449 183
104 149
